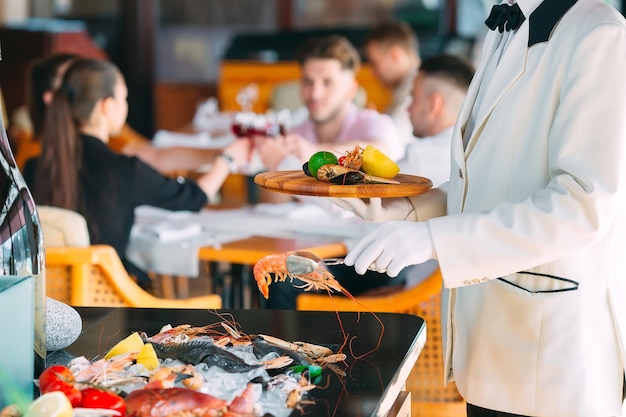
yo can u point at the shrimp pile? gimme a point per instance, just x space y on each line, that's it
274 268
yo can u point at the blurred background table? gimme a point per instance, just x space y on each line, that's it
222 245
243 254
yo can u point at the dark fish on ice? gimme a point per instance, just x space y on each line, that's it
261 348
203 351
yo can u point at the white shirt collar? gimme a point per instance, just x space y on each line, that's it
528 6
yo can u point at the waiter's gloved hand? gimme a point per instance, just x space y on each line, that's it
393 246
373 210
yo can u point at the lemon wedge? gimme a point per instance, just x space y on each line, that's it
51 404
132 344
147 357
378 164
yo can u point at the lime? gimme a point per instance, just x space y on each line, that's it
51 404
132 344
378 164
321 158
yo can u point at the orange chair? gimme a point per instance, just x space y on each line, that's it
429 396
94 276
28 148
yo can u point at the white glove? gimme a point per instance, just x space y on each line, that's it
374 211
392 246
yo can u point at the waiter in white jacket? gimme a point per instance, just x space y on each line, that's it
531 237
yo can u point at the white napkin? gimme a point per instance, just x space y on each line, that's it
166 139
169 231
219 122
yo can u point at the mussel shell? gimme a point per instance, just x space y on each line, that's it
349 178
305 168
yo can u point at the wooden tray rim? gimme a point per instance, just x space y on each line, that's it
410 185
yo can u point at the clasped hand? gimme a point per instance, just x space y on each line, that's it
374 210
392 246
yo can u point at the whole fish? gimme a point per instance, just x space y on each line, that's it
261 348
203 351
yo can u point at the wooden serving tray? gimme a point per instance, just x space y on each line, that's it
297 182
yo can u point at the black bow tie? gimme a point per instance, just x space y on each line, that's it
503 13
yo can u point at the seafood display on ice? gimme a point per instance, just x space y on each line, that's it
213 370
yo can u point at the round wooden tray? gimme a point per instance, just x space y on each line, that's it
297 182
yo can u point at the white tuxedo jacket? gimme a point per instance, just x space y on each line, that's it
535 310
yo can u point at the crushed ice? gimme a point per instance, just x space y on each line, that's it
222 384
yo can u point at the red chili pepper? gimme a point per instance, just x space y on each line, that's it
95 398
341 160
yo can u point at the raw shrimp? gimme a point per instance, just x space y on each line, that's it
319 279
274 267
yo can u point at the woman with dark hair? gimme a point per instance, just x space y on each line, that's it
45 76
76 169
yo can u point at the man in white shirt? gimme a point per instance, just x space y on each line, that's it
439 89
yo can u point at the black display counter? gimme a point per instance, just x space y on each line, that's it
370 388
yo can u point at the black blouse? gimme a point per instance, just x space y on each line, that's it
112 185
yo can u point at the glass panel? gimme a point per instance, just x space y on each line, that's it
22 282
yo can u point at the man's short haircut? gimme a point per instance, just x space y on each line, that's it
395 33
334 47
454 69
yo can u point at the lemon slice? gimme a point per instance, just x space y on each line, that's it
147 357
51 404
132 344
378 164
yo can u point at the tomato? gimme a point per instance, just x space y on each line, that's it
95 398
342 160
53 374
71 392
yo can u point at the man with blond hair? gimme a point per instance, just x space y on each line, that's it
328 86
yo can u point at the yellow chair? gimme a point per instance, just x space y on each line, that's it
429 396
94 276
